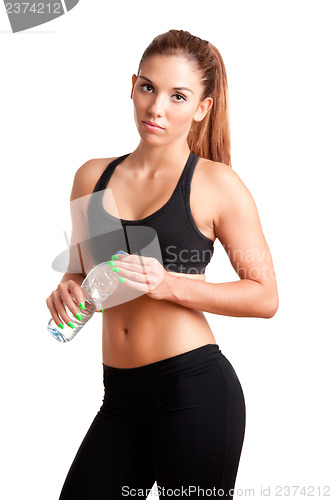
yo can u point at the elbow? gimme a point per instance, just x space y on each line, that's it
267 302
271 307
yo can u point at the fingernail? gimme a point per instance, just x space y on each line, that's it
116 269
122 279
114 257
71 324
111 263
79 316
82 306
61 326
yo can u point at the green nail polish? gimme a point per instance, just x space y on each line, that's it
82 306
111 263
116 269
114 257
79 316
122 279
61 326
71 324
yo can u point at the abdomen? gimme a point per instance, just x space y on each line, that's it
146 330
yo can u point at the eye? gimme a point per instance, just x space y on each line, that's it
146 85
182 98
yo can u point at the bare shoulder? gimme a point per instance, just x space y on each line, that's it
225 187
87 176
214 172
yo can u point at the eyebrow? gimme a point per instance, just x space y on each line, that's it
174 88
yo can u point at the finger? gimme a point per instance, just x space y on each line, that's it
137 286
132 267
65 291
78 294
60 303
50 304
135 276
134 259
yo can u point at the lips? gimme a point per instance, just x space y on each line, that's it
152 124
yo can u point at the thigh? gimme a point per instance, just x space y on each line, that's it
112 458
197 439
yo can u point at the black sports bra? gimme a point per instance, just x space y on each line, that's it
170 234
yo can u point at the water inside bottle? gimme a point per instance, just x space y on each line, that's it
69 333
100 282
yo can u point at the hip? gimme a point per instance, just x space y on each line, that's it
200 379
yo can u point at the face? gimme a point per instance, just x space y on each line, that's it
157 100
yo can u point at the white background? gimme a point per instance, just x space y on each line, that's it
65 98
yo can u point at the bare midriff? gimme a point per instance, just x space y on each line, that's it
146 330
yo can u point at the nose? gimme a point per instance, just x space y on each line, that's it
156 106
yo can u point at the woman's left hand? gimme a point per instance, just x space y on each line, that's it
145 274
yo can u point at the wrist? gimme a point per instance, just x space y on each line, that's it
172 285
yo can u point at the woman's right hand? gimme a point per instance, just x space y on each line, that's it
63 295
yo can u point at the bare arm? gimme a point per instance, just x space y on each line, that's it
80 257
78 278
237 298
237 226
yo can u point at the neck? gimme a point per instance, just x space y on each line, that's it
158 158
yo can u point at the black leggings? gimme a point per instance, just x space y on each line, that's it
179 421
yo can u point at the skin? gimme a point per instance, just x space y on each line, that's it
167 318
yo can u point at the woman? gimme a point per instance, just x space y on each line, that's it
173 410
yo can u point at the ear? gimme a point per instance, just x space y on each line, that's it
133 80
202 109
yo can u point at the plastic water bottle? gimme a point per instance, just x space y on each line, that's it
98 285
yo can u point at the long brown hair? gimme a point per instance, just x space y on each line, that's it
209 138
